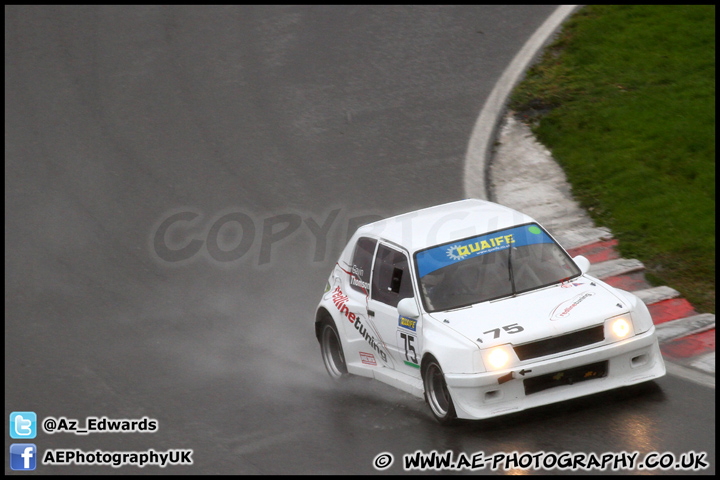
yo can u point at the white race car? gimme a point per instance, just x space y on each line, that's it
477 308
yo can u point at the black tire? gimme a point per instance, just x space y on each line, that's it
332 352
437 394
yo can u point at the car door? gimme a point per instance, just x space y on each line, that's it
353 302
391 282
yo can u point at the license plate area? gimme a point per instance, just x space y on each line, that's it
565 377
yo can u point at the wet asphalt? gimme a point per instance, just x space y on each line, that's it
178 184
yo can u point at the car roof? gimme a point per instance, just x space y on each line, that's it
444 223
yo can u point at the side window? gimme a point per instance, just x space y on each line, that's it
391 276
362 263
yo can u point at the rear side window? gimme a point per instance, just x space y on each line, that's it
391 277
362 263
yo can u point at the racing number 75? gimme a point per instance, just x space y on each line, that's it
512 328
408 339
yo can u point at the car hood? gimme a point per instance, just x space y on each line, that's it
541 314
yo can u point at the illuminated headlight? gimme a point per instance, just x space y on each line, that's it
619 328
498 358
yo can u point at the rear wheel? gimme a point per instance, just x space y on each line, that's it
332 352
437 394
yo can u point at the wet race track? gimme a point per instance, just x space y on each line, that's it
178 185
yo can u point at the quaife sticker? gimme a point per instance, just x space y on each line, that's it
441 256
408 323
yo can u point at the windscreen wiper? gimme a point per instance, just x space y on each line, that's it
510 270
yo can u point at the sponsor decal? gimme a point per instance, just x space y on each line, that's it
370 339
571 284
408 323
435 258
453 253
355 277
478 247
564 309
368 359
340 300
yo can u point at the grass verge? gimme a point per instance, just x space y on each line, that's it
625 100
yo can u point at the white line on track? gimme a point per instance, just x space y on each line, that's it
478 147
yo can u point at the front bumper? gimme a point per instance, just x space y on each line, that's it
635 360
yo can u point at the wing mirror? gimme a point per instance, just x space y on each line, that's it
582 263
408 308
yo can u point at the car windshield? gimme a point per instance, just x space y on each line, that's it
490 266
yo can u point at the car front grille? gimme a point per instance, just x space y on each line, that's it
561 343
565 377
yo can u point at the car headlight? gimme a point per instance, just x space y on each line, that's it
498 358
619 328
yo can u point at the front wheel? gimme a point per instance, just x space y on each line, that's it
437 394
332 352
